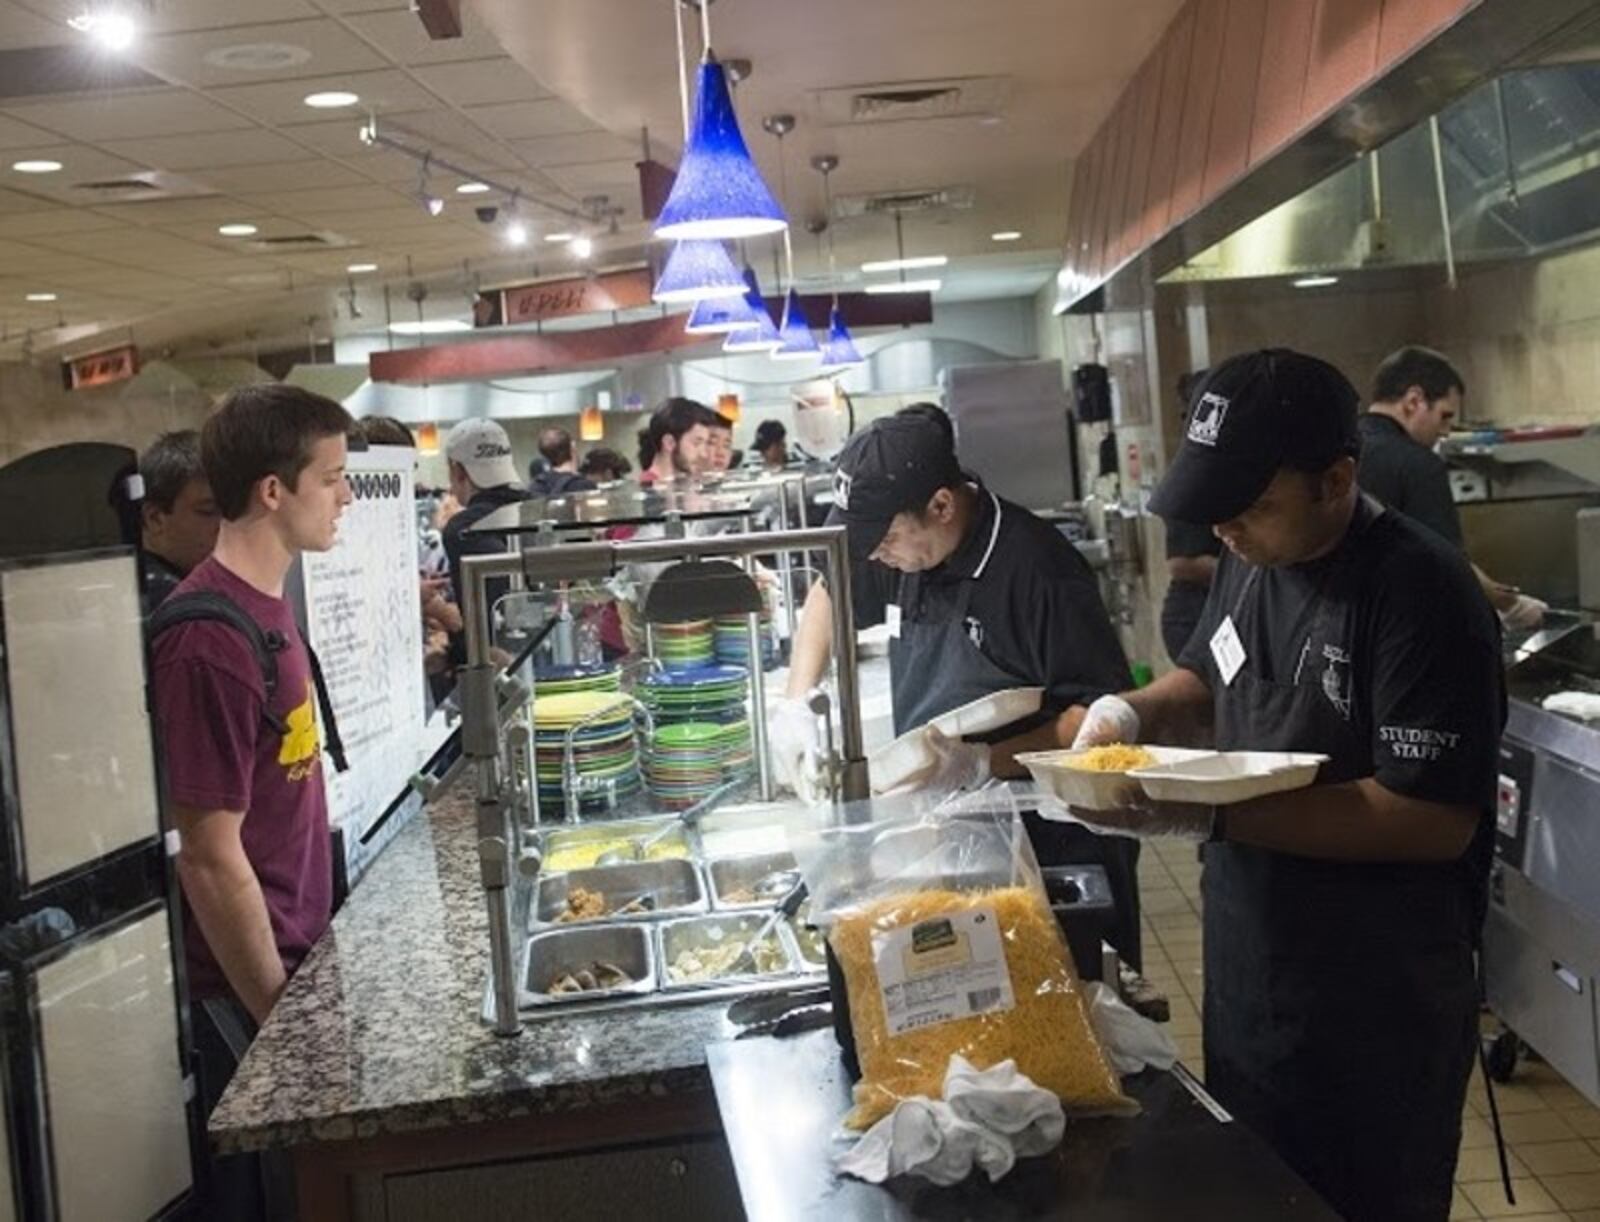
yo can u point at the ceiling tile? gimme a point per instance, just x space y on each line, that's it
18 201
619 179
332 200
209 152
273 175
128 115
210 211
56 221
518 120
172 15
450 137
479 82
20 28
283 102
335 137
325 47
582 148
18 135
398 33
80 163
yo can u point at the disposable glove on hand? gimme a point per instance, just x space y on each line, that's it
1524 614
957 765
796 747
1110 719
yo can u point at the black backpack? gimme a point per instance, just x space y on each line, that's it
198 605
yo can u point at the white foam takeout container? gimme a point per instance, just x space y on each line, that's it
1053 772
911 753
1224 777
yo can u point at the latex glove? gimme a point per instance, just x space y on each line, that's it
796 747
1110 719
956 766
1524 614
1144 819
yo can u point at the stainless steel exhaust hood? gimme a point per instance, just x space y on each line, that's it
1519 162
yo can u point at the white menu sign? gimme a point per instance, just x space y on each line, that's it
365 622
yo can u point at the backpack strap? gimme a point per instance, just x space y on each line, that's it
196 606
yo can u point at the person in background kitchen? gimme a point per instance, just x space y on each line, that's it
1191 560
178 518
677 441
243 768
560 475
979 596
1341 921
483 478
1416 396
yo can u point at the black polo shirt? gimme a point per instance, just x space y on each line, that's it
1406 476
1035 606
1415 637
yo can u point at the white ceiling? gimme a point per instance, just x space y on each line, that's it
549 96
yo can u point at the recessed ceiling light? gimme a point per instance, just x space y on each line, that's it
1315 282
41 166
355 269
112 30
41 296
517 234
331 99
896 265
906 286
474 188
559 237
239 230
431 326
1005 235
581 247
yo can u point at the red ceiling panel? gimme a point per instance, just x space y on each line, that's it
1281 83
1148 85
1199 102
1174 57
1228 150
1344 53
1407 24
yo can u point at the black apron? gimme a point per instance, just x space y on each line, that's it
1340 1011
934 668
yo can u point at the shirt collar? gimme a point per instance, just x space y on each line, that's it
971 559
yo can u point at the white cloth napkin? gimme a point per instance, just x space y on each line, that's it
1583 705
1006 1102
987 1119
1132 1041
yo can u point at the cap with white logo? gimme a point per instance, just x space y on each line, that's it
894 464
484 451
1250 416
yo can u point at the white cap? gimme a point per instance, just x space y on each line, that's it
482 447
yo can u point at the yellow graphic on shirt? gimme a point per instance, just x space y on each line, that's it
300 752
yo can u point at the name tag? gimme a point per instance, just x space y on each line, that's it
1227 650
891 617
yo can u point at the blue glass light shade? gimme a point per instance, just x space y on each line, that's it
698 271
798 342
719 192
840 350
715 317
760 333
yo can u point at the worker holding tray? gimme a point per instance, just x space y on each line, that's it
1341 921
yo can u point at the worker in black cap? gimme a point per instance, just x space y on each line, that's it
1342 920
979 596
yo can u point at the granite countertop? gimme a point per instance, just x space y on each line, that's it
379 1031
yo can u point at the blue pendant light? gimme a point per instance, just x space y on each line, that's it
840 351
698 271
718 316
719 192
760 334
798 342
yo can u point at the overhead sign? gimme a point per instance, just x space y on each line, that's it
101 368
525 303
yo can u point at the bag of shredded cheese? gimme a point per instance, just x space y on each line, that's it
947 945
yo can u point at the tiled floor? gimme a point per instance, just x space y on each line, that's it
1552 1132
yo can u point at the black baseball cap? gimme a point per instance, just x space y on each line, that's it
1250 416
892 466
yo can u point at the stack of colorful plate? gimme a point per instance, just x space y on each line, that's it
605 752
553 680
683 646
702 731
731 640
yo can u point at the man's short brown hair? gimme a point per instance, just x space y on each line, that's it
264 430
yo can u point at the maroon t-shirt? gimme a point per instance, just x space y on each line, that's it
221 754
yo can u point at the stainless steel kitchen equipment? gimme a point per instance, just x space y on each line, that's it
1542 935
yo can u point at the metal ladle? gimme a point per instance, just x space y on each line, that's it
639 850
